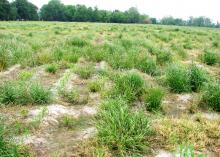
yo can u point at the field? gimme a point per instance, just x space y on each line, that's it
93 89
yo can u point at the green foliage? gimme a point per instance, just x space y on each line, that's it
25 75
153 99
39 94
51 68
177 78
211 96
71 96
188 151
125 132
163 56
68 122
129 86
12 92
210 58
197 77
6 148
95 86
85 71
147 65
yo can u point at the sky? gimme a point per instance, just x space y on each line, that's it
154 8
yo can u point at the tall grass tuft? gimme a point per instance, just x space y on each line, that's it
153 99
22 93
210 58
211 96
121 130
177 78
129 86
197 77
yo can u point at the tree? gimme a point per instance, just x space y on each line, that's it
53 11
133 15
24 10
69 12
4 10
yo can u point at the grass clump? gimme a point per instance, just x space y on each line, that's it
210 58
39 94
197 77
177 79
6 148
153 99
211 96
129 86
147 65
67 122
51 68
76 96
85 71
23 93
25 75
121 130
95 86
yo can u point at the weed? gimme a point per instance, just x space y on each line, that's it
177 79
126 131
129 86
163 56
211 96
39 94
153 99
51 68
197 77
23 93
210 58
25 75
85 71
147 65
78 42
95 86
6 148
68 122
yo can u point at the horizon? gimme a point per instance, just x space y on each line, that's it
176 9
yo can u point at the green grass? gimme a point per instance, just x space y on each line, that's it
85 71
22 93
211 96
122 131
197 76
51 68
177 78
95 86
129 86
210 58
153 99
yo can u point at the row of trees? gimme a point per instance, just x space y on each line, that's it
57 11
18 9
192 21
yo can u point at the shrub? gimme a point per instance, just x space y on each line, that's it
85 71
129 86
210 58
125 132
153 99
51 68
39 94
177 78
197 77
147 65
211 96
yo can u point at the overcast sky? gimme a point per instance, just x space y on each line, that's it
155 8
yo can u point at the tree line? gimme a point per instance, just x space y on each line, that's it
57 11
